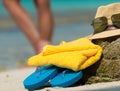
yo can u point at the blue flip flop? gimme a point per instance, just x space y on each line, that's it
66 78
40 77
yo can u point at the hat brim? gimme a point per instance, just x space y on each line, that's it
105 34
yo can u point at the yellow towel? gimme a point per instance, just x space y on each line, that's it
75 55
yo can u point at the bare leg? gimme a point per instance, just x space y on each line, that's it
45 19
24 21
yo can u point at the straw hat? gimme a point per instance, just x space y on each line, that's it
107 11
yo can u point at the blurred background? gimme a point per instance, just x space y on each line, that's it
72 20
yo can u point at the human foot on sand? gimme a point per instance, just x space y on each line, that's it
39 46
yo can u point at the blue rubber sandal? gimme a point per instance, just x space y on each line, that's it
66 78
40 77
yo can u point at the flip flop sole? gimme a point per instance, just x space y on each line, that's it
40 77
66 78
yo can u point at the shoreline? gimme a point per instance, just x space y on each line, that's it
79 16
9 23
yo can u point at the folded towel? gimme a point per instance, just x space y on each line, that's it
75 55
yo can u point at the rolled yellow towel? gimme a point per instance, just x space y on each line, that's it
76 55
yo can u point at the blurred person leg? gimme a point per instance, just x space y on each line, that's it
26 24
45 20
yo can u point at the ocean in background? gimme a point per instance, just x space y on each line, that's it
15 49
73 20
63 5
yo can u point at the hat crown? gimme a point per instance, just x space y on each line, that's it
108 10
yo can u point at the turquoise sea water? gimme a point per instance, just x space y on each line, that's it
63 5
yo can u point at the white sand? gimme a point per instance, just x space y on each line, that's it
11 80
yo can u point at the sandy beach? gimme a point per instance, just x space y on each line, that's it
72 19
12 80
